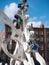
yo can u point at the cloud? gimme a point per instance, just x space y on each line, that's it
10 10
35 22
42 17
46 24
33 19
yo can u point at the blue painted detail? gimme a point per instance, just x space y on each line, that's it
34 46
36 62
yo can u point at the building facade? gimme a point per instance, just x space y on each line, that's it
43 42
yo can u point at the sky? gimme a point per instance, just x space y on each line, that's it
38 10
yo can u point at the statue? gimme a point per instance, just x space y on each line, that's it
26 48
24 36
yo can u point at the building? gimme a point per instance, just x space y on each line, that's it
2 34
3 56
42 34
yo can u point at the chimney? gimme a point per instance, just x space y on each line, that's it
41 26
31 25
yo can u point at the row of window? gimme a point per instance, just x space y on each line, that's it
36 32
41 32
42 47
41 39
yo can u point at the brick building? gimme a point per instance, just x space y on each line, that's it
2 34
43 35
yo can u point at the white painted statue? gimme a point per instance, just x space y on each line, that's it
25 44
29 36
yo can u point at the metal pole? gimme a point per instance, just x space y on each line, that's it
23 25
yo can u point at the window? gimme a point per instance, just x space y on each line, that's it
48 46
36 32
42 55
9 30
47 39
42 47
41 32
41 39
48 55
48 33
